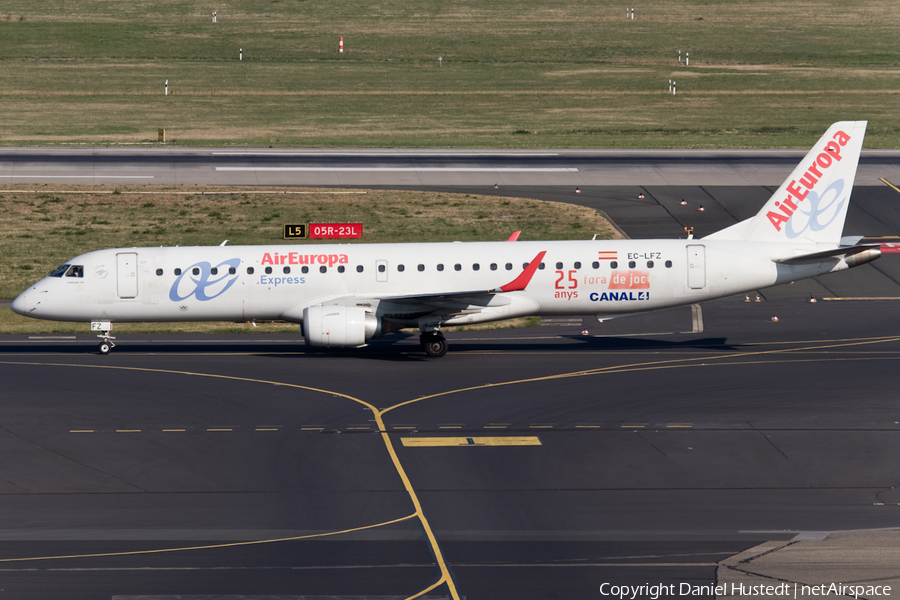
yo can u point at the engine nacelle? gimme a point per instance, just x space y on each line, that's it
338 326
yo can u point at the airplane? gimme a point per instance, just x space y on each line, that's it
344 295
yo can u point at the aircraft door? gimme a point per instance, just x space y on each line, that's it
126 274
381 270
696 258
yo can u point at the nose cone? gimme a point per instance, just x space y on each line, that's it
22 305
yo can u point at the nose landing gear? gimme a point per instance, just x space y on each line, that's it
106 344
104 327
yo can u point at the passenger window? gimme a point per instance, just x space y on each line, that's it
213 271
559 265
304 269
268 270
381 268
421 267
649 264
577 265
631 264
524 265
177 271
613 265
287 270
541 266
509 266
457 267
595 265
323 269
76 271
249 270
493 266
440 267
231 271
400 268
195 271
159 271
59 271
341 269
668 264
359 268
475 267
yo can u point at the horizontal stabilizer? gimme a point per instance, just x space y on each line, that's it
873 251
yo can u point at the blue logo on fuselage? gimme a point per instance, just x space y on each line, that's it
204 280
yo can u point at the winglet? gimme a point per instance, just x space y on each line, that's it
515 234
521 282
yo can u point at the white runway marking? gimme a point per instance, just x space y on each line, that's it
376 154
39 176
407 169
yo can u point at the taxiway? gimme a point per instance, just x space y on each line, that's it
528 463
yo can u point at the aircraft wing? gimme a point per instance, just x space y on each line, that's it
516 285
411 306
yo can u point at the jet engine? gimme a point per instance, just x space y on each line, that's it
338 326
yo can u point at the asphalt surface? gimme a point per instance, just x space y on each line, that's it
311 167
661 453
650 452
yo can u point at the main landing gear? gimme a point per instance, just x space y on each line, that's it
434 344
106 344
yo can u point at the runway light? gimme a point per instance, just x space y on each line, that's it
496 186
577 190
640 196
683 202
701 209
812 299
757 298
774 319
585 332
747 299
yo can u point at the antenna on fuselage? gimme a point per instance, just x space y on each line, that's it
223 243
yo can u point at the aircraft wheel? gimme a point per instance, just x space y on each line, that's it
104 347
434 344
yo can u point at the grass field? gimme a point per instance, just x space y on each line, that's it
42 227
570 73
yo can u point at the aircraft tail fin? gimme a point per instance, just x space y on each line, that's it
811 205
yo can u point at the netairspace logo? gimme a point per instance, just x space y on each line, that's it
784 590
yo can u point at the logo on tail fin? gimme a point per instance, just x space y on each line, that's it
796 194
830 202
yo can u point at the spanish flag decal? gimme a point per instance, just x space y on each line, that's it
607 255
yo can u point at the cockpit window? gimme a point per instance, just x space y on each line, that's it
75 271
59 271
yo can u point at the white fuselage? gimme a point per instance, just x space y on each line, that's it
239 283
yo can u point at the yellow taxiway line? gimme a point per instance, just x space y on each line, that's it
433 442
